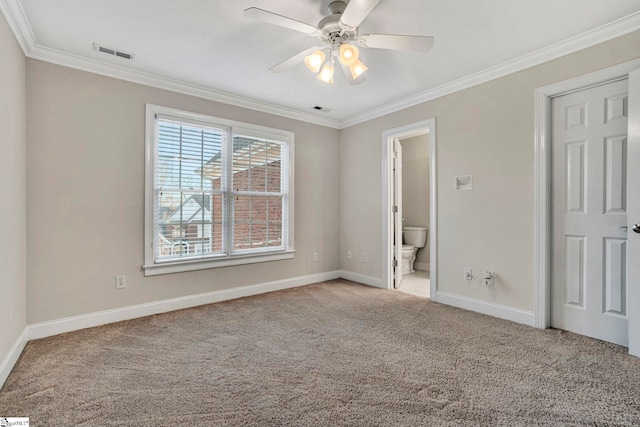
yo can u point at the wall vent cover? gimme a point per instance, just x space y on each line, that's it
114 52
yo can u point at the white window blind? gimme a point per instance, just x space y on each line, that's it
215 196
189 201
259 188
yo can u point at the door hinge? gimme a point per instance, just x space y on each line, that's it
395 209
395 263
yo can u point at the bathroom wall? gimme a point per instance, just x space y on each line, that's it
415 191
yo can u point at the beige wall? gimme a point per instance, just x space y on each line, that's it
85 205
486 131
85 185
415 187
12 191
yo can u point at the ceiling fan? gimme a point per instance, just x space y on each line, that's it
338 34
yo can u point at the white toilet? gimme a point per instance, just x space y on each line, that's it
413 239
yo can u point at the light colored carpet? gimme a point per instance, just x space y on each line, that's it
334 353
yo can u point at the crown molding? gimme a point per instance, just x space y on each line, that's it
154 80
582 41
16 18
17 21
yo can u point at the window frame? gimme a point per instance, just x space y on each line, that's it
234 128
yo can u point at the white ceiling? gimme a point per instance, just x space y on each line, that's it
214 49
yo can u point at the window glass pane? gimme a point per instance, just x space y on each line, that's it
166 206
242 220
217 232
257 177
188 157
212 170
189 218
274 215
167 175
257 222
256 165
274 166
189 224
241 163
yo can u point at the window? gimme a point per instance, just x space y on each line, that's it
218 192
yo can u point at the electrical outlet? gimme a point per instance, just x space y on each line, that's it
364 257
488 278
121 282
11 313
468 274
349 254
315 256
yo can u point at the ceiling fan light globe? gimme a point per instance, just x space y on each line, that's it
314 61
357 69
326 75
348 54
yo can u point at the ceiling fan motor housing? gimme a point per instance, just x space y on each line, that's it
332 31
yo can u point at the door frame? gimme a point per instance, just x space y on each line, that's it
419 128
542 178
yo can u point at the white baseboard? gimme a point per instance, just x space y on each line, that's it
361 278
422 266
495 310
12 357
54 327
69 324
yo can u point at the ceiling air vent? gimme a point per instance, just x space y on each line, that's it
323 109
113 52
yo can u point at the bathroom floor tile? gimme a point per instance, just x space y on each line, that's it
416 283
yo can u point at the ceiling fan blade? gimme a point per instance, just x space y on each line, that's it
396 42
355 13
294 60
282 21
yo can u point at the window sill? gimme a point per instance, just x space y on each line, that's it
203 264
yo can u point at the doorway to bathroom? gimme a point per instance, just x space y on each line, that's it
409 202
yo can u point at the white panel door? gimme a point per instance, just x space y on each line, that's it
397 216
633 196
589 235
